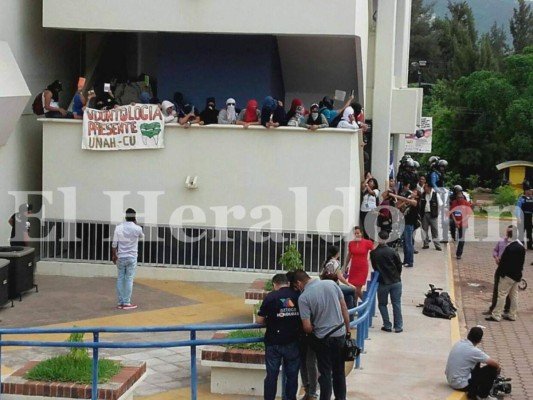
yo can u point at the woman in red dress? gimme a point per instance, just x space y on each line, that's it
358 250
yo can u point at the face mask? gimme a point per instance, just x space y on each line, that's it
314 115
231 107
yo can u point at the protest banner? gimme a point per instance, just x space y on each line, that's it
420 141
133 127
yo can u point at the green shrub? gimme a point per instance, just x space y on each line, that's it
505 196
269 286
65 368
244 334
75 366
291 259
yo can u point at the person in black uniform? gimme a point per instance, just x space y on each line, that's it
279 312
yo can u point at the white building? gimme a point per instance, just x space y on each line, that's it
234 48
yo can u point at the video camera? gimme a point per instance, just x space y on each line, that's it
501 385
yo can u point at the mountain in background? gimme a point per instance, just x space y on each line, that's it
486 12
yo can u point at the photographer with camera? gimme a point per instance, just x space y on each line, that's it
464 371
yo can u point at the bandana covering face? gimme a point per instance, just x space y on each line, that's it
231 116
251 111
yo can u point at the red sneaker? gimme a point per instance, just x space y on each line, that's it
129 306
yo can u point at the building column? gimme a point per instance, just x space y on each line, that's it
383 85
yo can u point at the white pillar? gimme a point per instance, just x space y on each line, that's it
383 85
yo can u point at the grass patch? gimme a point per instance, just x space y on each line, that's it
244 334
268 286
76 366
66 368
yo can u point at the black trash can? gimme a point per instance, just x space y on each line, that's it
21 269
4 281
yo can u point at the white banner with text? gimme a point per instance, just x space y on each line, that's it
133 127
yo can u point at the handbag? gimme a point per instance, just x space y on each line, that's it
325 274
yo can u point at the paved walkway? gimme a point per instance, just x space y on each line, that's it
408 365
510 342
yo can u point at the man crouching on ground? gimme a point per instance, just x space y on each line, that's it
325 315
279 311
464 371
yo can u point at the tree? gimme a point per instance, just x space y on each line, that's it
521 26
457 38
423 42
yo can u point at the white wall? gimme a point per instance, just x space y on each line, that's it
235 167
42 56
313 17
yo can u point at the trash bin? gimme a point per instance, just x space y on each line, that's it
21 269
4 289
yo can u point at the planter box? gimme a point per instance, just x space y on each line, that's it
121 386
236 371
256 292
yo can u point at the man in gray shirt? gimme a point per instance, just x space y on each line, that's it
325 316
464 371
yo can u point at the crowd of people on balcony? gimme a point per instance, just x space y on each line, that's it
270 114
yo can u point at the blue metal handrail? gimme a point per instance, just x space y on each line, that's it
364 311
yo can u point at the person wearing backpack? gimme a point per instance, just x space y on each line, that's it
51 106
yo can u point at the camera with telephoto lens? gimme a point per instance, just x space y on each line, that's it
501 385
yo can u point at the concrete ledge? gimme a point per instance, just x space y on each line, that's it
120 386
177 273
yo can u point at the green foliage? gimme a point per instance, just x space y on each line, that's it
472 181
269 286
521 26
77 353
291 259
245 334
66 368
505 196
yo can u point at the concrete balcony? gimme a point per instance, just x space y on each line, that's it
288 179
277 17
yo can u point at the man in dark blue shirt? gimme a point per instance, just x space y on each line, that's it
279 311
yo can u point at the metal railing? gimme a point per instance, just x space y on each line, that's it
189 247
363 321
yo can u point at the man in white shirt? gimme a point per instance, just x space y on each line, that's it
124 252
464 371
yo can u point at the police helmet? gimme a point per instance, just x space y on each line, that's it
457 188
442 163
416 164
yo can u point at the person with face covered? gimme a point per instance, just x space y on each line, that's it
326 108
272 113
315 120
210 114
294 109
228 115
250 115
348 119
170 115
51 102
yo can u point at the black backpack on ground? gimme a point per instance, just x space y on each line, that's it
438 304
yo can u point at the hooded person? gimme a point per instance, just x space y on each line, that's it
169 112
314 120
228 115
348 119
294 105
272 113
250 115
51 102
210 114
297 117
